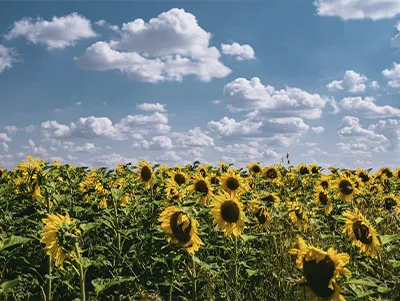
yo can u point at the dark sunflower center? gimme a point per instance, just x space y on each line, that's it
201 186
323 198
325 184
179 179
271 173
145 173
361 233
268 200
318 276
387 172
230 211
183 236
304 170
214 180
364 177
298 213
345 187
232 183
256 169
398 174
389 203
315 169
261 216
203 172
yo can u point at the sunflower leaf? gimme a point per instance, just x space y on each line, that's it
13 241
385 239
364 281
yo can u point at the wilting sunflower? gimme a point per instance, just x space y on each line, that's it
390 202
323 182
60 236
255 169
271 173
322 198
228 214
202 186
362 234
298 214
179 177
181 229
345 188
174 193
232 182
145 174
303 169
364 176
321 269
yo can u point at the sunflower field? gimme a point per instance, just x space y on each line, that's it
198 232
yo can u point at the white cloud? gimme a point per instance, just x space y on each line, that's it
318 129
11 129
170 156
352 82
4 147
393 75
366 107
167 48
354 149
242 94
193 137
358 9
58 33
240 52
152 107
7 58
391 129
374 85
36 150
53 129
4 137
229 126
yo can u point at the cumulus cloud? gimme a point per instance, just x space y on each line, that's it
352 82
167 48
358 9
58 33
7 58
366 107
4 137
393 75
240 52
193 137
246 95
152 107
318 129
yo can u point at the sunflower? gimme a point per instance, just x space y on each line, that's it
362 234
298 214
269 199
228 214
321 269
322 198
271 173
345 188
60 236
181 229
232 182
214 179
391 203
174 193
364 176
201 186
145 174
203 170
323 182
222 167
314 168
255 169
303 169
179 177
384 172
397 173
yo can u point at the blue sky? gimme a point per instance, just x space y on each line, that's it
102 83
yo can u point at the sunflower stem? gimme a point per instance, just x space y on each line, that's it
194 284
81 274
236 269
50 261
117 226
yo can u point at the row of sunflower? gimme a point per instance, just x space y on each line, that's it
198 232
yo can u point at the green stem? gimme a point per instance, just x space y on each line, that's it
236 270
194 284
50 262
117 227
81 275
171 285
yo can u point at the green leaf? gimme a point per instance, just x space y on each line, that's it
101 284
384 289
84 262
378 220
364 281
394 263
13 241
8 285
385 239
251 272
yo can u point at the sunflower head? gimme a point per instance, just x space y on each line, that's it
303 169
345 188
181 229
145 174
390 202
321 269
228 214
271 173
179 177
298 215
203 170
269 200
222 167
201 186
255 169
362 234
322 198
314 168
60 236
397 173
232 182
174 193
323 182
384 173
364 176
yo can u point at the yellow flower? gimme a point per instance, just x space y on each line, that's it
364 176
255 169
390 202
202 186
203 170
232 182
181 229
145 174
322 198
345 188
174 193
362 234
222 167
60 236
271 173
397 173
228 214
384 173
298 215
314 168
260 212
323 181
321 269
303 169
179 177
